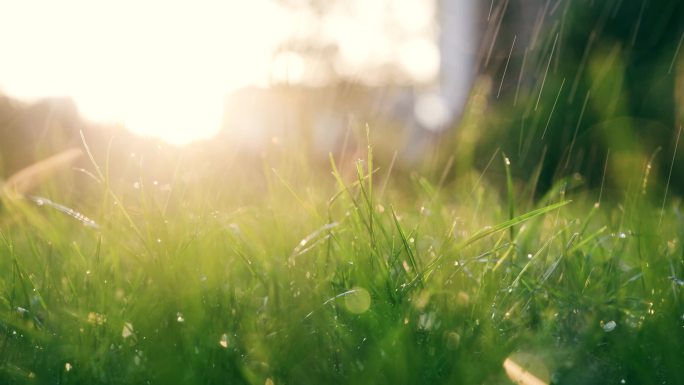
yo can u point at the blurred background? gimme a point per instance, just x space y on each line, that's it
589 90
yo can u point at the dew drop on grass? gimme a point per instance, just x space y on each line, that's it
357 301
609 326
453 340
223 341
179 317
68 367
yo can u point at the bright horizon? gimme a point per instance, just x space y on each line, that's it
159 68
163 68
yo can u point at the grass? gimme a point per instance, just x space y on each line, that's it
281 272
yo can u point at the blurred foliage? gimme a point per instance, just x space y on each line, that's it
588 82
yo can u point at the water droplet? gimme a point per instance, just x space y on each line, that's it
68 367
96 318
223 342
179 317
357 300
609 326
453 340
526 368
427 321
406 266
529 256
127 330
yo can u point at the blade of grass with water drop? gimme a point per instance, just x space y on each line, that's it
407 248
494 229
511 197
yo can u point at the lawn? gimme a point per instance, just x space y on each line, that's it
287 269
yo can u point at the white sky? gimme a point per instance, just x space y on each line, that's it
162 67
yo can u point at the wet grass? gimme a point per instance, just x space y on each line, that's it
285 273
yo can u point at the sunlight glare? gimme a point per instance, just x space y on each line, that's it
161 68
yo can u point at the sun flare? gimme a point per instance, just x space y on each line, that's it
160 68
